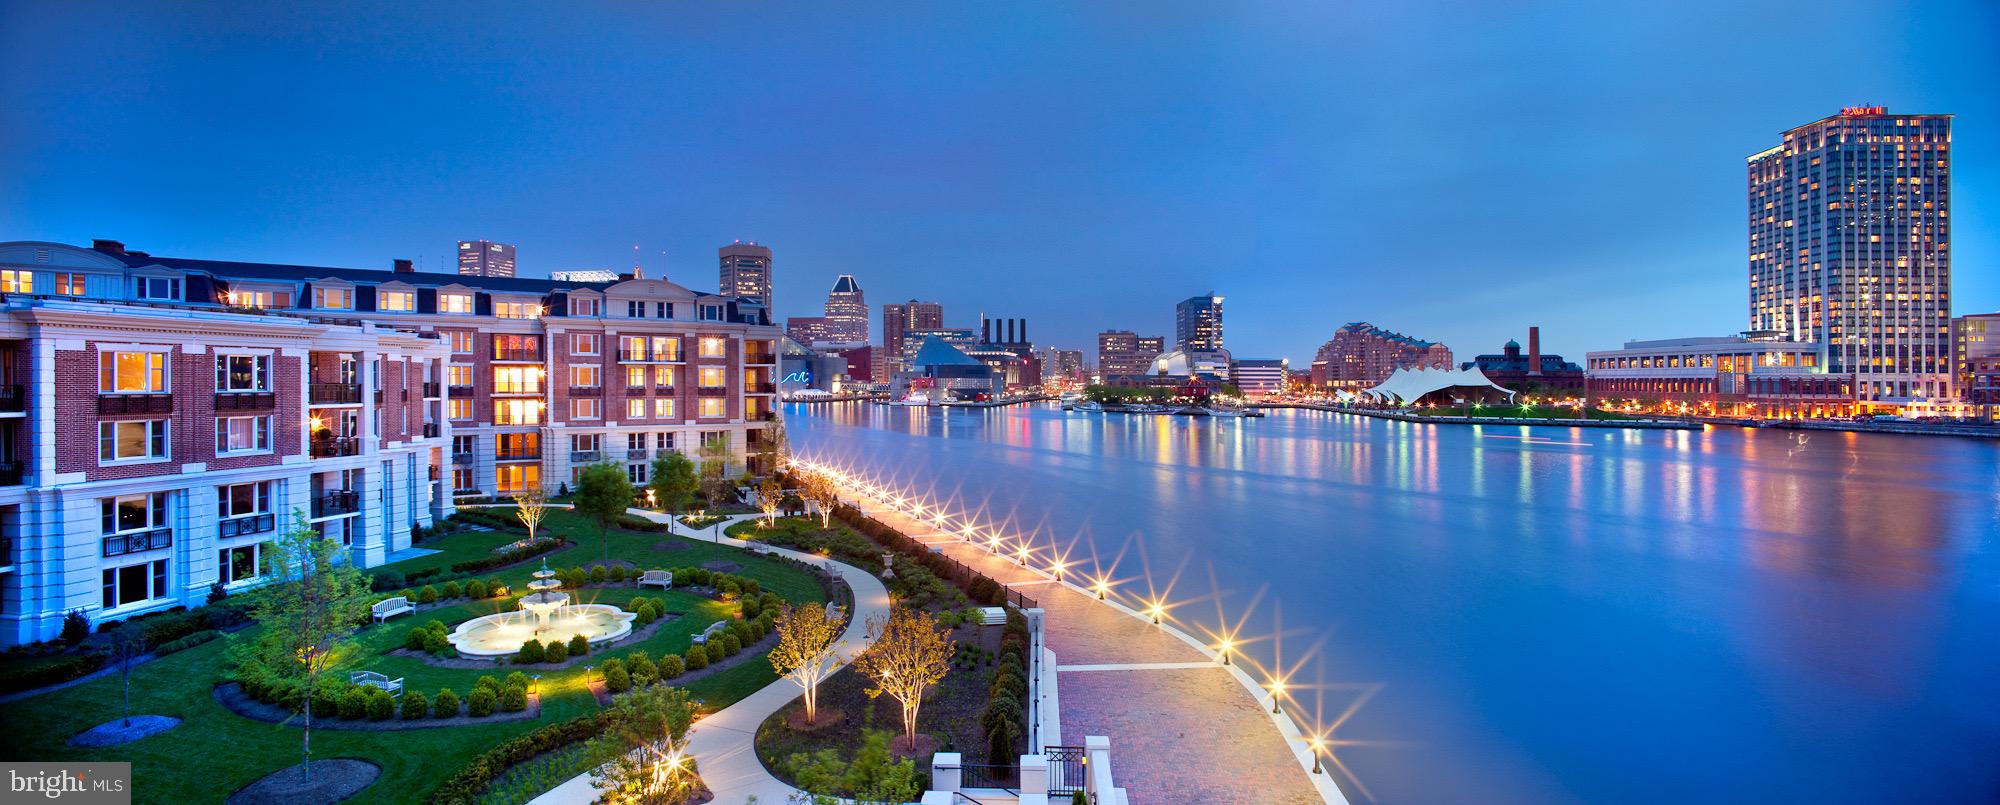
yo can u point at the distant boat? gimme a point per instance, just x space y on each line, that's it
1088 407
1225 412
1191 410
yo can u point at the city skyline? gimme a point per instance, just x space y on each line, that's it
584 193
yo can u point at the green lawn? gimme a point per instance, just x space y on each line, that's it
214 752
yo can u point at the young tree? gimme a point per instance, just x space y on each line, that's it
645 736
314 601
775 447
770 494
674 483
603 494
130 644
805 655
715 458
822 492
531 507
911 653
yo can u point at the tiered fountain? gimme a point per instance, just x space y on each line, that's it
545 614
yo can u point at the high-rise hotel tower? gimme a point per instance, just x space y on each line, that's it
1850 248
746 272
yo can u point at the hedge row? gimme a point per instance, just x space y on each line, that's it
978 586
465 787
64 669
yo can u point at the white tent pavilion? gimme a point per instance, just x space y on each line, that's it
1407 386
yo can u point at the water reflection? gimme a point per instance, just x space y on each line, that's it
1577 615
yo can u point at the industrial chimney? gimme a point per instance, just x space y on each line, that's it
404 267
1534 351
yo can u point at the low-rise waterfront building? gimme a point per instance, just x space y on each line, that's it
1531 372
1261 377
1361 355
164 417
1121 353
1722 376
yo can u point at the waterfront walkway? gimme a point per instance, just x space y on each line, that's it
1183 727
723 744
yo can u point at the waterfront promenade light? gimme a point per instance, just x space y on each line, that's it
1277 686
1058 568
1317 743
1102 584
1223 648
1156 609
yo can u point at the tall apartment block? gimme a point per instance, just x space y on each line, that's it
1198 324
847 311
484 258
162 418
1120 353
1850 248
746 272
1361 355
899 318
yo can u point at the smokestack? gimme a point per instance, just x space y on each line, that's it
1534 350
404 267
107 246
1024 331
985 330
1010 331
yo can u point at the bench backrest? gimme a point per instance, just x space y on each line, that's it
714 627
366 676
392 603
657 575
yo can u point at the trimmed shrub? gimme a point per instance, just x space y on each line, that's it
672 666
185 643
728 589
480 703
445 705
415 706
555 651
62 669
354 703
752 608
616 678
327 698
646 613
697 659
451 590
384 580
598 575
742 630
427 595
731 645
514 699
488 683
750 587
417 639
475 589
620 573
517 680
75 627
494 588
437 643
642 669
531 652
470 782
381 705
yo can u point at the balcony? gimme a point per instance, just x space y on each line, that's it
430 430
760 357
641 357
138 541
431 390
458 392
530 453
334 448
635 454
333 393
11 472
518 390
713 391
336 502
635 391
585 456
245 526
246 401
586 391
13 399
763 388
517 354
664 391
144 403
464 459
764 416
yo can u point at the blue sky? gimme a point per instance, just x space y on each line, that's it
1455 172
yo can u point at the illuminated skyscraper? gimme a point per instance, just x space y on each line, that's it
1850 248
746 272
484 258
847 311
899 318
1198 324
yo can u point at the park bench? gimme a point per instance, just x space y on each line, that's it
712 630
663 579
375 680
391 607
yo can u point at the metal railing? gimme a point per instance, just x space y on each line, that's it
760 357
333 393
635 391
664 391
136 542
245 400
334 448
140 403
430 430
464 458
987 775
713 391
518 354
585 456
13 398
339 501
518 453
458 392
11 472
430 389
586 391
636 453
763 388
246 525
1067 772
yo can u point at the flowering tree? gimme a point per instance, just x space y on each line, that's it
806 636
911 653
769 495
531 507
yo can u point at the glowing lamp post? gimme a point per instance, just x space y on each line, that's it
1102 586
1277 690
1058 568
1223 648
1155 610
1021 555
1317 745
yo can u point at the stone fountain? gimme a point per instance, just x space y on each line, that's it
545 614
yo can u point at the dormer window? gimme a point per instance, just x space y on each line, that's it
517 310
635 310
460 303
158 288
585 307
17 281
396 301
711 313
333 298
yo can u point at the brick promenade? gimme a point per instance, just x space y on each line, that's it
1179 735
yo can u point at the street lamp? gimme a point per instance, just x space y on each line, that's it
1277 686
1317 744
1102 586
1223 649
1058 568
1155 610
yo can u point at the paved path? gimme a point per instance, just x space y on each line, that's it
1183 727
723 743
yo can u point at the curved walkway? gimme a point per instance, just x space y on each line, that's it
723 743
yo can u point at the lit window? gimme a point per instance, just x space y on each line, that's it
457 375
518 477
333 298
517 310
517 412
635 409
712 347
666 348
455 303
238 434
15 281
584 376
132 440
583 343
713 377
132 372
632 348
70 284
663 408
517 380
663 376
712 407
242 372
461 342
584 307
459 408
255 299
635 376
585 408
396 301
